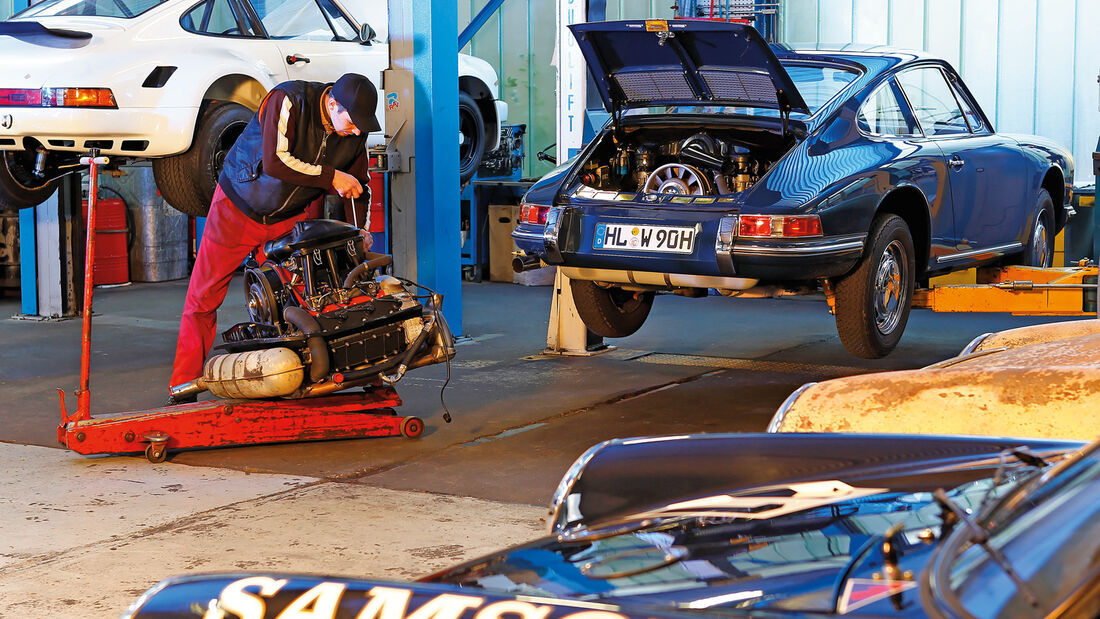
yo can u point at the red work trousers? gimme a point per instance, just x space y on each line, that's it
227 239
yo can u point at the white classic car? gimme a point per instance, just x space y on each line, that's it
176 81
1037 381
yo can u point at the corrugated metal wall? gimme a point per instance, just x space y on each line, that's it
1032 64
519 42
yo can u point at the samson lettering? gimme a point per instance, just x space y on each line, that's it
251 598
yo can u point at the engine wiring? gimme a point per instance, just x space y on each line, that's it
447 380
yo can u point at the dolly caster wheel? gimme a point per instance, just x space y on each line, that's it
157 449
412 427
156 453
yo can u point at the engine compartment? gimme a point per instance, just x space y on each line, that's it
695 160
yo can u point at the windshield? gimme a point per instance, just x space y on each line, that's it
1049 533
125 9
817 84
697 562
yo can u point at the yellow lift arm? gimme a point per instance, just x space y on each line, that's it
1019 290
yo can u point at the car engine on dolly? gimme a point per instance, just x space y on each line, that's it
322 321
703 163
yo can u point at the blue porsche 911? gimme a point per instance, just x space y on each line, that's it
733 165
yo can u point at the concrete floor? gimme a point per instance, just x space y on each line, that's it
83 536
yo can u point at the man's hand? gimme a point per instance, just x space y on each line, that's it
346 185
368 240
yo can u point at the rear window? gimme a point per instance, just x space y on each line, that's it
819 84
124 9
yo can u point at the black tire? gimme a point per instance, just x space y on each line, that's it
610 312
187 180
1040 243
471 126
19 188
873 301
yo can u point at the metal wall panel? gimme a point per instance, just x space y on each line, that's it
1054 74
1032 64
519 42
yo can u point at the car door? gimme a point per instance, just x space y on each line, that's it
318 41
987 172
885 121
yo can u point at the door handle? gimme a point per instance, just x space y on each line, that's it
956 162
293 58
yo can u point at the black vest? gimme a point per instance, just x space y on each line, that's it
266 199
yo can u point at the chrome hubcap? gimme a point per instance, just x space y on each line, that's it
889 287
1040 244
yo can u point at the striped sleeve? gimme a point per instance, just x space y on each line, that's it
279 121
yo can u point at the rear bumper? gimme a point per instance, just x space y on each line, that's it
568 240
805 259
150 132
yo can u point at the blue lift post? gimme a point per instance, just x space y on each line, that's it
436 105
423 79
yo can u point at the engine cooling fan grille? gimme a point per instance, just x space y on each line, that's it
655 86
740 86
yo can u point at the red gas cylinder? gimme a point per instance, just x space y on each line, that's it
377 202
112 261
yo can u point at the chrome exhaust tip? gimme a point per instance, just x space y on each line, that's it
187 389
525 263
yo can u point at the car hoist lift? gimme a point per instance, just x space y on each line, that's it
216 423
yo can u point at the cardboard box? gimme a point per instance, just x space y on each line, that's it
502 220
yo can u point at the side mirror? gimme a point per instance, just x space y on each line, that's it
367 34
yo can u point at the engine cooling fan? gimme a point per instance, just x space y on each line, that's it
677 178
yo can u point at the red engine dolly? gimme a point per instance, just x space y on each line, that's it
217 423
221 423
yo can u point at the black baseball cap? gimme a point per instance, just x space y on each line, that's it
360 98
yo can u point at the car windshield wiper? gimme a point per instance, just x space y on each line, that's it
980 536
1022 455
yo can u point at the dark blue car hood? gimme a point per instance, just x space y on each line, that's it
639 63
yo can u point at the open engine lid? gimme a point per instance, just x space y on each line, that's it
639 63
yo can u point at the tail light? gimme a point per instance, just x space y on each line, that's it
533 213
57 97
779 226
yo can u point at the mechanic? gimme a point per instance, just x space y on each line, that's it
307 139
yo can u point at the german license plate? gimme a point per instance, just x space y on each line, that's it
634 237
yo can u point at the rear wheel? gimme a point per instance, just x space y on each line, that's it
610 312
873 302
1040 245
471 130
187 180
19 187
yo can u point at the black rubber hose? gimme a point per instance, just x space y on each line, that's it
318 349
373 261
